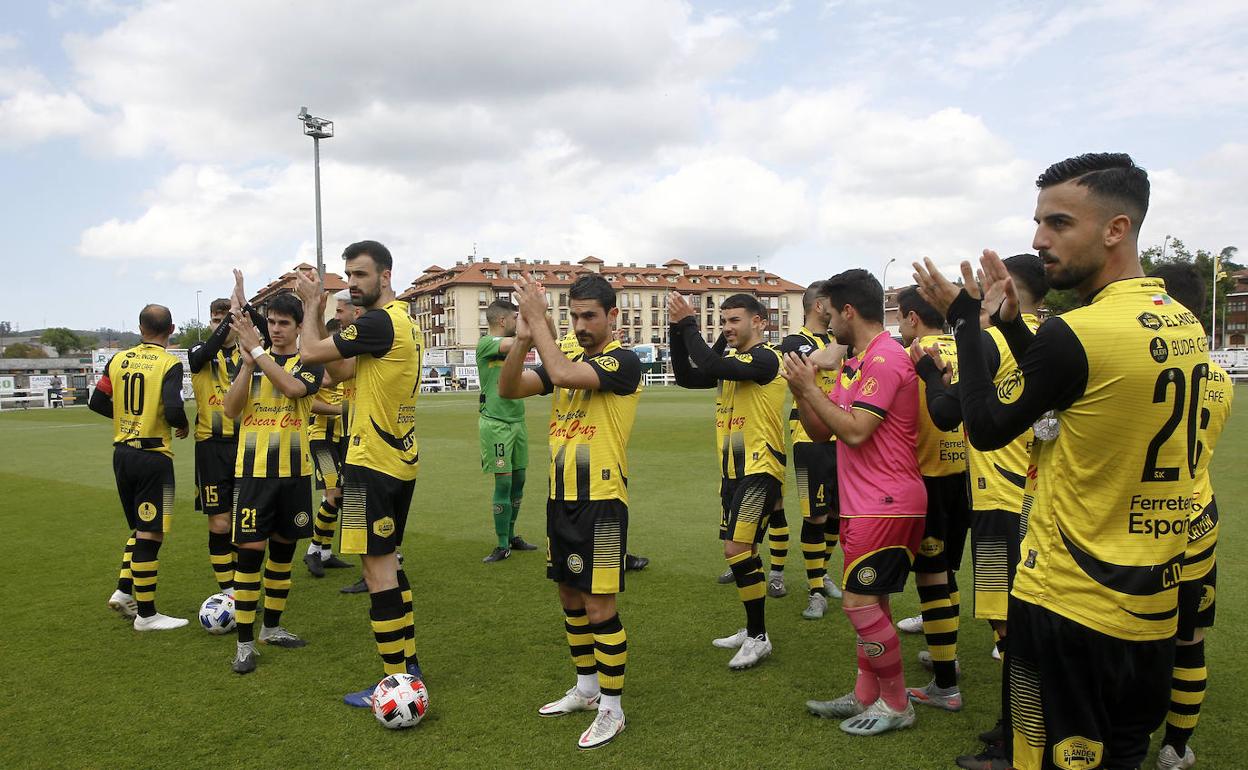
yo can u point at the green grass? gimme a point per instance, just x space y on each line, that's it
79 688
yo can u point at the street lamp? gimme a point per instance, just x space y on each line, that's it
1164 244
318 129
884 285
198 322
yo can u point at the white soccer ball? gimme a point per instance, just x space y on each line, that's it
400 700
216 614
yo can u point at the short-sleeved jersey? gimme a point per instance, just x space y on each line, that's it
387 347
880 476
210 384
489 365
999 475
273 428
1108 500
749 424
326 427
1202 533
940 452
804 342
589 429
137 377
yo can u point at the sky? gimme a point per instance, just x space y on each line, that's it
146 148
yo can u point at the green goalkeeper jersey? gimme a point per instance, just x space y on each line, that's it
489 365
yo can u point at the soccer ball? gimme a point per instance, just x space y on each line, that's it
216 614
400 700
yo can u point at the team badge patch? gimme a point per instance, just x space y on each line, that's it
608 363
576 564
302 519
1078 753
866 576
745 358
308 377
870 386
1206 599
873 649
1149 321
383 527
147 512
500 462
1157 348
1011 388
349 333
931 546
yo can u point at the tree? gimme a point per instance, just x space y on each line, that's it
1178 253
191 333
24 350
64 340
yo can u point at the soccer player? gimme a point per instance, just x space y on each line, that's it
596 391
150 394
382 349
271 397
942 461
814 465
326 438
749 432
1197 604
873 412
1093 610
504 436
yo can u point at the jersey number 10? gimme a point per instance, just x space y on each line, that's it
132 387
1161 395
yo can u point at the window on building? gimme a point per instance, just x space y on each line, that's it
481 318
652 278
623 299
636 299
654 300
752 281
784 302
482 298
654 318
561 276
734 281
563 299
490 273
713 279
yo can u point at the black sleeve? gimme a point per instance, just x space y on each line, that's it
1054 373
796 343
372 333
548 386
686 375
310 375
200 354
171 397
619 371
761 367
943 405
101 403
261 324
1017 334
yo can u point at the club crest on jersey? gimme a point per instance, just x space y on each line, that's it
147 512
383 527
877 359
302 519
866 576
1149 321
576 564
745 358
1011 388
931 546
1158 349
870 386
349 333
1077 753
608 363
308 377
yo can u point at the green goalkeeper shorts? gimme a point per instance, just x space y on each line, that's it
504 445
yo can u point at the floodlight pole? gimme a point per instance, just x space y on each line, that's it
318 129
884 281
198 322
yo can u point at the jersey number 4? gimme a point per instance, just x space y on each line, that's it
1182 403
132 391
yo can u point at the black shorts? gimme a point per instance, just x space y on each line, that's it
214 475
145 486
1198 604
267 507
747 505
948 520
1080 698
815 467
327 461
995 542
374 510
585 544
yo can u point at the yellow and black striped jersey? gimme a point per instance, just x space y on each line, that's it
144 385
325 427
589 429
348 396
273 428
1202 532
1107 503
940 452
804 342
387 347
211 382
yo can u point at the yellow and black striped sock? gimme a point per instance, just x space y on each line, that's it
144 566
247 591
325 525
277 582
125 579
610 655
940 626
580 641
1187 693
221 554
955 597
831 534
388 621
409 617
814 554
778 540
747 571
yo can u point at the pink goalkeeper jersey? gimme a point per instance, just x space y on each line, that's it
880 477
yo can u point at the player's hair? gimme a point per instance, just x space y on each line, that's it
287 304
1027 270
343 296
858 289
1184 283
332 325
811 295
1111 176
155 319
746 302
378 253
221 305
498 310
909 301
595 287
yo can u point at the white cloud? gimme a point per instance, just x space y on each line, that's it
29 116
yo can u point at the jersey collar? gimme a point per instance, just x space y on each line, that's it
1142 284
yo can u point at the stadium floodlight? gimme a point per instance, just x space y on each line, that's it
318 129
884 285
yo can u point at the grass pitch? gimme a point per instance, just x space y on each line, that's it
79 688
